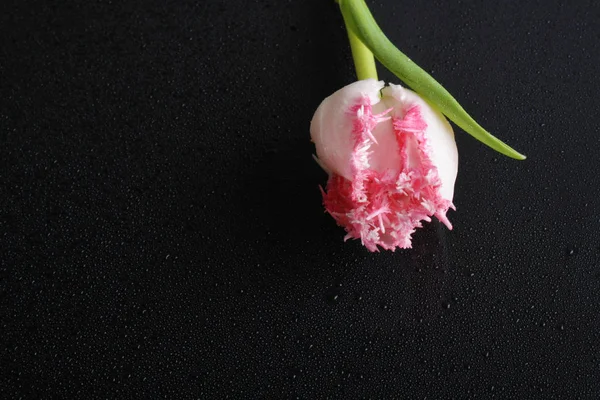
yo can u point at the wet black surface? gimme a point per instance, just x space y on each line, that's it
161 231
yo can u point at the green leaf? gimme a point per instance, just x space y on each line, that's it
358 18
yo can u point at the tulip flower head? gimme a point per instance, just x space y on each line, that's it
392 162
389 152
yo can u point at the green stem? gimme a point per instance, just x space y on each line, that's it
359 20
364 62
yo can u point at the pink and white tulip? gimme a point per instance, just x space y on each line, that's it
391 159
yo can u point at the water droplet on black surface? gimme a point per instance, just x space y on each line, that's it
332 295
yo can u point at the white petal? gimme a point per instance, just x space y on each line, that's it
439 134
331 126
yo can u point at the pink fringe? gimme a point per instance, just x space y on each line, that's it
384 209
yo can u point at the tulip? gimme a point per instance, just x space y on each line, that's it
392 162
389 152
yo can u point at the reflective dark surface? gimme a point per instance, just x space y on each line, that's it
162 233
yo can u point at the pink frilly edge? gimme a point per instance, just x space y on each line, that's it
384 208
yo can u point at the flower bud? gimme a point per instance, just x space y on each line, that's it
391 159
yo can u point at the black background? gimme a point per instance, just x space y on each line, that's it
161 227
